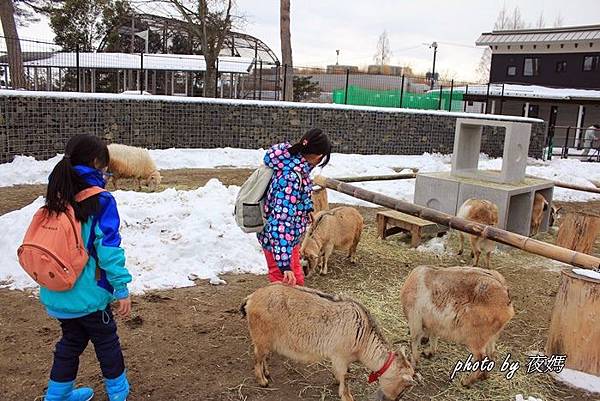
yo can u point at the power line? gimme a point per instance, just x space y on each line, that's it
459 45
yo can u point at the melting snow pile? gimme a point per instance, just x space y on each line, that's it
168 237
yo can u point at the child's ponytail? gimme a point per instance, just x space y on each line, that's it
316 142
63 185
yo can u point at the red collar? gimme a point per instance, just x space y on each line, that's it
374 376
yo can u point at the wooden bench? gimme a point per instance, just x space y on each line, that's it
402 222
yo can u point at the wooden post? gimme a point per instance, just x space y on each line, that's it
578 231
575 326
320 201
481 230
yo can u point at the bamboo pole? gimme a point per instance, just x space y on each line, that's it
576 187
389 177
470 227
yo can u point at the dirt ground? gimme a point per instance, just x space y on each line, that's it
192 344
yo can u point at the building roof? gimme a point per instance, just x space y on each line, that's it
531 92
133 61
543 35
235 43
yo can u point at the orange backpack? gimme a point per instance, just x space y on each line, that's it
53 252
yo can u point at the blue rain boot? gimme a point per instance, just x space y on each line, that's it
63 391
117 389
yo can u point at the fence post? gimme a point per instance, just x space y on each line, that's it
278 79
451 93
465 97
565 152
284 82
401 90
260 82
347 81
487 98
77 66
550 141
502 99
440 101
141 72
217 78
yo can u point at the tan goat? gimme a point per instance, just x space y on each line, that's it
540 205
466 305
308 326
339 229
481 211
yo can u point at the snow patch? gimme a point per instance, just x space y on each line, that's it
587 273
519 397
27 170
435 245
168 237
579 379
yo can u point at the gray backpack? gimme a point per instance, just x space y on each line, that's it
249 205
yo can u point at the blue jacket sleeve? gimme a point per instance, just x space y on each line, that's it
281 231
111 257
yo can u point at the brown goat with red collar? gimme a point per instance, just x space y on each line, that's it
308 326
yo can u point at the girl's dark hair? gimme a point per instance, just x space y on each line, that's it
64 182
313 142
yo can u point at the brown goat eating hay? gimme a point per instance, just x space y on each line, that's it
307 325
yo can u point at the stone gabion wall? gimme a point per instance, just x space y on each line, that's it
39 125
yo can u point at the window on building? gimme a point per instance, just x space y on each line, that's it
591 63
561 66
531 68
511 71
534 111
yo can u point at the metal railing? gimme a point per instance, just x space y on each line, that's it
573 142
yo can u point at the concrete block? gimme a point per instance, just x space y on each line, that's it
514 201
437 192
467 146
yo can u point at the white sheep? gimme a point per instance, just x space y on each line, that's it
131 162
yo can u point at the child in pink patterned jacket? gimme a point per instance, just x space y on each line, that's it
288 205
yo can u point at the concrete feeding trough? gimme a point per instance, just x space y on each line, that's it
467 146
508 188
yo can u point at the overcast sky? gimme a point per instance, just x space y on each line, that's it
319 27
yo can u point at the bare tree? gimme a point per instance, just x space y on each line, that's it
516 20
506 20
541 23
286 48
210 25
558 21
383 53
13 46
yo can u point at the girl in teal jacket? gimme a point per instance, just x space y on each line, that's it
84 311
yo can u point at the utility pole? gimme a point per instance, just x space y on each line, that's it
435 46
337 57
